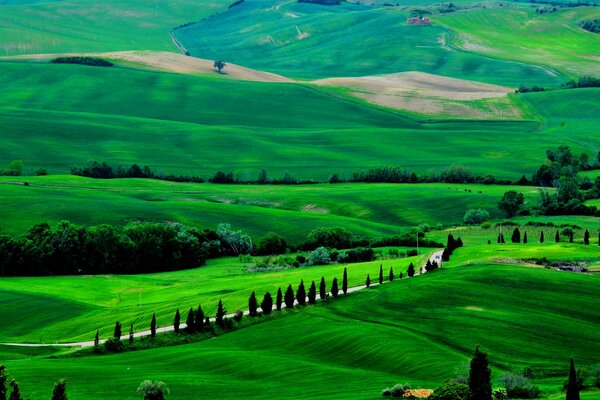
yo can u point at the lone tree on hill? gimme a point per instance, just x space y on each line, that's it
542 237
267 304
586 237
391 274
411 270
279 299
312 293
380 274
117 331
289 297
345 281
557 237
334 288
573 387
219 318
516 236
322 289
368 281
176 321
191 328
301 294
525 238
199 318
16 391
252 305
480 381
153 326
219 65
60 390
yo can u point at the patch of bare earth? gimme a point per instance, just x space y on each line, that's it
431 95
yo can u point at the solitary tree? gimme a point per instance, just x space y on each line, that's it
60 390
322 289
312 293
153 390
334 288
573 387
199 318
131 333
542 237
345 281
267 304
525 237
557 237
219 318
511 203
289 297
279 299
153 326
96 344
219 65
586 237
411 270
117 332
252 305
391 275
480 381
301 294
2 383
16 391
380 274
191 328
368 281
176 321
516 236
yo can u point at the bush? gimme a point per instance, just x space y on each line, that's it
451 391
396 391
474 217
595 375
153 390
359 254
319 256
519 386
114 345
91 61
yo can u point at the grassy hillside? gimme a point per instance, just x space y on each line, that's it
292 211
353 347
312 41
30 27
520 34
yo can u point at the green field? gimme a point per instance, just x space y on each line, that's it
290 210
357 345
312 41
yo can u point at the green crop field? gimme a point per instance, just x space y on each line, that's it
355 346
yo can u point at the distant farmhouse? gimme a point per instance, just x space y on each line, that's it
418 21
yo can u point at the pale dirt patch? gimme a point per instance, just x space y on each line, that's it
171 62
301 35
313 208
430 94
291 15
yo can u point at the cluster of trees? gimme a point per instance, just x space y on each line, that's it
262 179
394 174
586 81
17 167
69 249
91 61
58 393
103 170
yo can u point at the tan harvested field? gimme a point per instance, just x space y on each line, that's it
431 95
166 61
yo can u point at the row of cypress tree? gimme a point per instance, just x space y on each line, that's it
516 237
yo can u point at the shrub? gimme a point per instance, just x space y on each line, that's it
595 375
451 391
396 391
474 217
114 345
319 256
153 390
91 61
520 386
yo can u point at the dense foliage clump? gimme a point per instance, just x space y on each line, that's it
91 61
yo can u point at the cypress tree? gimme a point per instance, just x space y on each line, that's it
2 383
586 237
572 388
525 238
312 293
199 318
153 326
571 236
391 276
60 390
557 237
96 344
345 281
176 321
267 304
446 254
131 333
502 238
368 281
598 239
16 391
401 276
516 236
411 270
117 332
322 289
542 237
480 382
301 294
334 288
191 327
380 274
219 318
289 297
279 299
252 305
